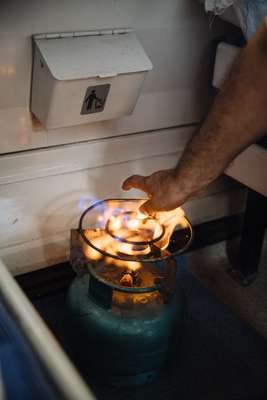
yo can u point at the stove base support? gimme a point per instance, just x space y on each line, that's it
252 239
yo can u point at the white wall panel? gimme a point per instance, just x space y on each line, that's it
175 34
69 158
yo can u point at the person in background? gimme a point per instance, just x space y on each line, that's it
237 119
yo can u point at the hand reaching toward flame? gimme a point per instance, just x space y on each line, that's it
162 188
230 127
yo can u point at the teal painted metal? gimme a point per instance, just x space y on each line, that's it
123 346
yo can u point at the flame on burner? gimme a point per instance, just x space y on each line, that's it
118 227
170 219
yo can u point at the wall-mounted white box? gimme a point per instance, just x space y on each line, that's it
85 77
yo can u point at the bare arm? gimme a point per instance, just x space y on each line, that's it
237 119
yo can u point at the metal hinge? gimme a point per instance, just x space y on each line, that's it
94 32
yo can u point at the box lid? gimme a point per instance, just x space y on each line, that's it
71 57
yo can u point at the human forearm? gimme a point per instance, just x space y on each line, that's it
237 119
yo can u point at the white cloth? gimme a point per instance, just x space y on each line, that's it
249 13
218 6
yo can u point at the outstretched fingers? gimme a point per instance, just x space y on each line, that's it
161 203
147 208
136 182
153 205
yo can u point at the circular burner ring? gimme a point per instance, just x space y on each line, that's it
144 259
133 242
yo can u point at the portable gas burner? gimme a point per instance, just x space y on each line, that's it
127 308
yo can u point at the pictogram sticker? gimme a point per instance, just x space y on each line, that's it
95 99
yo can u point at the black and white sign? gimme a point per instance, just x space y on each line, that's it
95 99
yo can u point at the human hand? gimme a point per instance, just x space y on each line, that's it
162 188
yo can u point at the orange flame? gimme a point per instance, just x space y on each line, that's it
126 233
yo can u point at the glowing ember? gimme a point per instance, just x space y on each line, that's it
129 232
126 280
